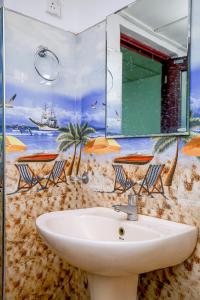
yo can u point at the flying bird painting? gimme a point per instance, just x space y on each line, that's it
94 105
9 104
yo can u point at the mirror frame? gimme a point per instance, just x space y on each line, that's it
187 132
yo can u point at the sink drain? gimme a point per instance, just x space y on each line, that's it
121 231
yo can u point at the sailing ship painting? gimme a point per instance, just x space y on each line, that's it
48 120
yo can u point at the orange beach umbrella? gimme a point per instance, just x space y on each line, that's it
101 145
192 148
14 145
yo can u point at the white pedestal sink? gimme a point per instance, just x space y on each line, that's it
113 250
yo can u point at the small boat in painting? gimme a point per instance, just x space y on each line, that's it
48 120
137 159
39 157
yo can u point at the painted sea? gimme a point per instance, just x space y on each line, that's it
45 141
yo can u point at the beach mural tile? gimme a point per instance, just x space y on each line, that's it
78 97
91 50
40 89
41 98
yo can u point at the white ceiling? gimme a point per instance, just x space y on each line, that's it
77 15
166 19
151 15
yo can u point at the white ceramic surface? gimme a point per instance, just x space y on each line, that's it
90 239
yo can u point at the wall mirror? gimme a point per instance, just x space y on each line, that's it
148 69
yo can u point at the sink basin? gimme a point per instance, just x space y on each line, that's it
113 250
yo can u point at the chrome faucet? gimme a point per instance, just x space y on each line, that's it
130 209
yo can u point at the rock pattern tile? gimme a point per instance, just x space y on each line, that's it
35 272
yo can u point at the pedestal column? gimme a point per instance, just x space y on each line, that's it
113 288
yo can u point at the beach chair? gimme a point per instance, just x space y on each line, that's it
57 174
152 182
122 182
27 178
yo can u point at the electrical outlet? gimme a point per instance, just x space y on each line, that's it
54 7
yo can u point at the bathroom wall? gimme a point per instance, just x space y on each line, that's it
33 270
91 51
182 195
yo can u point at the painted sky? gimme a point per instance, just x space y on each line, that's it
23 36
93 109
82 77
91 51
30 104
91 60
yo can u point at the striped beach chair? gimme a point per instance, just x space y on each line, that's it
122 182
152 182
57 174
27 178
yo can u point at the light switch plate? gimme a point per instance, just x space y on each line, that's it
54 7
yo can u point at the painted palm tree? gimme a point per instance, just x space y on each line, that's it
66 139
163 143
83 132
